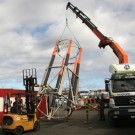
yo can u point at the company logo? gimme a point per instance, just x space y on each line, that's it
126 67
123 94
132 100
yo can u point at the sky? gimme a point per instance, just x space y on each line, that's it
29 30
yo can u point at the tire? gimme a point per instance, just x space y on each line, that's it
18 131
36 126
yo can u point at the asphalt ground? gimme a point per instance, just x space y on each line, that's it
77 125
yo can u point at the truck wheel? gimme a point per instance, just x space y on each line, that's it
18 131
36 126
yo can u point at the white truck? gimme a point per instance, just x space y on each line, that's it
121 88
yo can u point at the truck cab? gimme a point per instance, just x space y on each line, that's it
121 88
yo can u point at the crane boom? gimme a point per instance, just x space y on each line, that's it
104 41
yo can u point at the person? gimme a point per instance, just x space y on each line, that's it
101 108
14 107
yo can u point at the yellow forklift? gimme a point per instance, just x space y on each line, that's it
20 119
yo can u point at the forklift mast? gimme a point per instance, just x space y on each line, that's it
29 81
104 41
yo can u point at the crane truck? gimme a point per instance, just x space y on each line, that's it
121 85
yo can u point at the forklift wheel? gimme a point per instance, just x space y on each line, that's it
36 126
18 131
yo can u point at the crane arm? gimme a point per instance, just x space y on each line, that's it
104 41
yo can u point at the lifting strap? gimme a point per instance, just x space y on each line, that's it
67 27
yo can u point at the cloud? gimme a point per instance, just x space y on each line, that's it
29 30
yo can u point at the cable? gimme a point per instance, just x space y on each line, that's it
74 37
67 27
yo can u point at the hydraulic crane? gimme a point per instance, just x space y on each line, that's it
104 40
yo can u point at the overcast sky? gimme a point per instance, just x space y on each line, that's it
29 30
